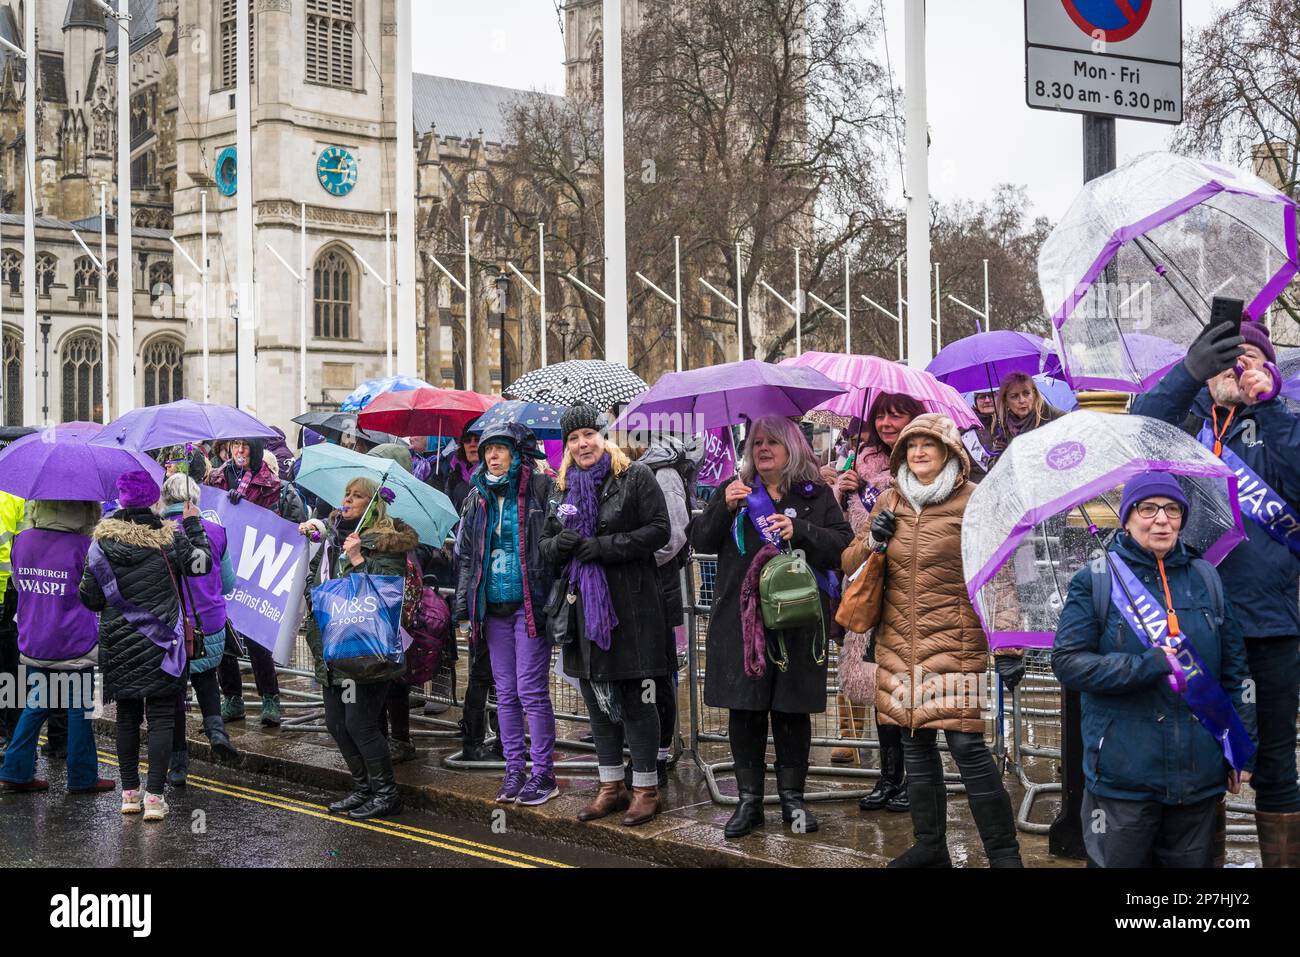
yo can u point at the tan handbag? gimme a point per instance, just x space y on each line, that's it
862 596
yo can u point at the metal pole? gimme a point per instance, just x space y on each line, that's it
740 308
798 309
615 188
848 346
917 188
677 294
469 316
103 296
407 357
388 294
987 315
541 285
302 308
938 311
30 291
203 279
898 269
246 333
125 259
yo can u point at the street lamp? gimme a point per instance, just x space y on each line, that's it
46 324
503 291
561 324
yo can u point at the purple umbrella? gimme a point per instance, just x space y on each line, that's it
980 362
176 423
688 403
62 464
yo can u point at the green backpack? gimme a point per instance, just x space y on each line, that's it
790 599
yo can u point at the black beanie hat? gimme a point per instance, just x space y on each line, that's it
581 416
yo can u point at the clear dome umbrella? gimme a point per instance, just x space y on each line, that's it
1146 248
1052 502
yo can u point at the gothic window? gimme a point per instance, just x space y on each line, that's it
83 379
12 370
164 371
331 26
160 280
85 280
102 138
334 279
45 268
229 42
11 270
597 68
112 274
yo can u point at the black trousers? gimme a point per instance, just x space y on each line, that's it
160 712
9 657
1121 833
639 728
209 697
476 692
975 764
354 723
1275 667
268 685
747 733
395 717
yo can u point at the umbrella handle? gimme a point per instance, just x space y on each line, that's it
1272 370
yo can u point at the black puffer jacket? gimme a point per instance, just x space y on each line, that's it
138 545
632 525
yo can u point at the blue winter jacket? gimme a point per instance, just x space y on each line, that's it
1141 741
1262 577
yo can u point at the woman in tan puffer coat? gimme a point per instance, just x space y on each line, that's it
931 653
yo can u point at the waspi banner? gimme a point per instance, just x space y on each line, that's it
270 560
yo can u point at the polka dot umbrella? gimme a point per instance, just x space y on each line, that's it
593 381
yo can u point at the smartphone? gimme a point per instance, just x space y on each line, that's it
1227 310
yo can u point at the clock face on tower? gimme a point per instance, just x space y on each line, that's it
226 173
336 170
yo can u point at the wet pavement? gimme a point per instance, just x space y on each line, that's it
229 818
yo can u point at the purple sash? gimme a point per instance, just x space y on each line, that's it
170 639
1202 693
868 496
1259 502
759 506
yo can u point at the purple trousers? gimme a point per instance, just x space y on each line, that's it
521 668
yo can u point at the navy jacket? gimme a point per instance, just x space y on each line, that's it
1261 576
1141 741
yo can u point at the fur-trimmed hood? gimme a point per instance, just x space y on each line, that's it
134 534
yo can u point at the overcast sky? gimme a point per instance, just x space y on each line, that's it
982 133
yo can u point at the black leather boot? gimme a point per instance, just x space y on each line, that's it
383 785
361 792
473 732
749 812
789 788
929 828
891 783
222 749
997 826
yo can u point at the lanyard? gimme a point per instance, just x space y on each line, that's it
1174 631
1220 433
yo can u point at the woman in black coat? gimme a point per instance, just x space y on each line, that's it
602 532
143 559
807 517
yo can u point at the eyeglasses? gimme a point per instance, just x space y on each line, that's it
1173 511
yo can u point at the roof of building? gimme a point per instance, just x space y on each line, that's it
85 226
84 13
144 21
9 30
461 108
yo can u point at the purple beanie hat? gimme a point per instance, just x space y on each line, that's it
1151 485
136 490
1256 334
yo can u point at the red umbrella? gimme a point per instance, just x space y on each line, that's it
428 411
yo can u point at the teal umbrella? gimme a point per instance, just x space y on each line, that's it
326 471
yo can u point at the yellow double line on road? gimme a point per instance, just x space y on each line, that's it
418 835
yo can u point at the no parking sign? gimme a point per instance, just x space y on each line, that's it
1106 57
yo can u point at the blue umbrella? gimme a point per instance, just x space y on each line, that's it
362 395
326 470
61 464
540 418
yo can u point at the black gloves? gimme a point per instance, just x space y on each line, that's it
234 496
883 526
1215 350
566 542
1011 668
587 551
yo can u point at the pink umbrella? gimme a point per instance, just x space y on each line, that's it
866 377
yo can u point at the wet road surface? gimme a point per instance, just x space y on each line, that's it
227 818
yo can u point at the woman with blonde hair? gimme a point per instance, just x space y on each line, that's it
1019 408
360 539
753 673
601 535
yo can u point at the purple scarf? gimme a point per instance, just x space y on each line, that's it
584 498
